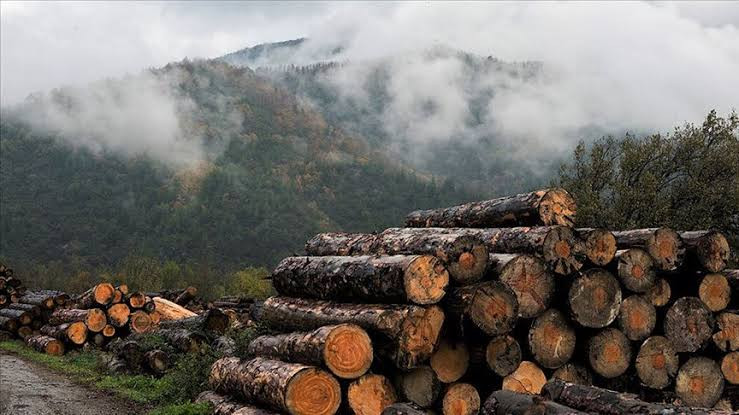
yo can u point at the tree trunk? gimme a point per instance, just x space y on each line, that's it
715 292
464 256
9 324
609 353
730 367
657 362
490 305
187 295
637 318
171 311
23 317
659 295
109 330
75 333
594 298
636 269
503 355
43 301
505 402
184 340
60 297
139 322
600 245
420 386
130 351
24 331
663 244
699 382
542 207
94 318
371 394
211 321
405 408
34 310
461 399
450 360
45 344
412 330
727 337
345 349
225 405
530 280
99 295
709 248
156 361
527 378
289 387
118 314
688 324
136 300
573 373
551 339
421 279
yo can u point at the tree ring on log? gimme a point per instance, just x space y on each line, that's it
420 334
551 339
96 320
699 382
77 332
637 317
503 355
426 280
667 249
562 249
494 308
715 292
531 281
713 251
370 394
313 391
348 351
573 373
450 361
636 270
595 298
600 246
527 378
660 293
689 324
656 362
119 314
104 293
609 353
461 399
557 207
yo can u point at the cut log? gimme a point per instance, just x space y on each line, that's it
573 373
730 367
551 339
34 310
130 351
118 297
490 305
503 355
527 378
505 402
43 301
187 295
637 317
8 324
405 408
371 394
412 330
75 333
118 314
600 245
636 269
99 295
45 344
609 353
345 349
542 207
24 331
688 324
60 297
123 288
531 281
156 361
94 318
663 244
660 293
710 248
149 305
140 322
183 340
421 279
420 386
656 362
115 365
23 317
225 405
136 300
594 298
212 321
715 292
699 382
461 399
450 360
170 311
155 317
465 256
6 335
727 337
109 330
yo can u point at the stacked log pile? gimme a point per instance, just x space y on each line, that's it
495 299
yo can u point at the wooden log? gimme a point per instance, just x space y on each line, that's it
3 300
730 367
465 256
8 324
727 336
600 245
225 405
136 300
371 394
699 382
461 399
34 310
636 269
60 297
95 319
213 320
149 305
123 288
118 297
710 248
42 301
542 207
420 386
156 361
97 296
224 345
663 244
109 330
74 333
450 360
115 365
551 339
184 340
345 349
505 402
171 311
656 362
23 317
24 331
140 322
118 314
527 378
637 317
660 293
594 298
531 281
503 355
186 296
609 353
6 335
715 292
45 344
573 373
490 305
155 317
421 279
688 324
131 351
405 408
413 331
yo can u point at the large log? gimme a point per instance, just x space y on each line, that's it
370 394
140 322
542 207
464 256
727 336
688 324
699 382
715 292
529 279
212 321
118 314
413 331
8 324
450 360
171 311
505 402
60 297
34 310
595 298
636 269
490 305
503 355
663 244
527 378
461 399
289 387
609 353
421 279
420 386
573 373
345 349
600 245
710 248
225 405
98 296
45 344
75 333
43 301
551 339
156 361
656 362
95 319
131 351
637 317
23 317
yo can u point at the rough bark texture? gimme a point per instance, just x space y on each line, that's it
659 295
23 317
465 256
34 310
405 408
450 361
490 305
573 373
413 331
461 399
371 394
594 298
710 248
94 318
715 292
688 324
727 336
637 317
531 281
75 333
97 296
609 353
699 382
421 279
156 361
657 362
527 378
420 386
663 244
551 339
600 245
41 300
184 340
636 269
224 405
503 355
187 295
505 402
289 387
9 324
45 344
542 207
213 320
171 311
345 349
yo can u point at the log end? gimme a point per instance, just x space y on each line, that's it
420 336
119 314
689 324
667 249
461 399
563 250
494 308
104 293
77 333
450 361
557 207
699 382
96 320
636 270
527 378
426 280
715 292
531 281
730 367
637 317
660 293
600 246
139 322
109 330
469 260
552 339
609 353
313 391
595 298
656 362
573 373
371 394
503 355
348 351
54 347
713 251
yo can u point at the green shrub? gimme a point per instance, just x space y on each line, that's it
251 282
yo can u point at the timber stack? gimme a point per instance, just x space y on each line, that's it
500 306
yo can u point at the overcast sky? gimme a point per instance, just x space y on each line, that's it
48 44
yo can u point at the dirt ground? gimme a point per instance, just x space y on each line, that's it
29 389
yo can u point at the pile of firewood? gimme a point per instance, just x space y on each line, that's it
493 298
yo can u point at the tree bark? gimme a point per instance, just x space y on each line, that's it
635 269
600 245
371 394
225 405
97 296
75 333
405 408
505 402
461 399
663 244
212 321
187 295
699 382
420 386
609 353
715 292
420 279
345 349
94 318
156 361
130 351
551 339
503 355
709 248
34 310
412 331
24 331
594 298
542 207
9 324
657 362
659 295
527 378
45 344
688 324
289 387
450 361
171 311
43 301
573 373
136 300
490 305
727 337
531 281
60 297
184 340
23 317
637 317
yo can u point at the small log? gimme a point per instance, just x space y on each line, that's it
461 399
118 297
710 248
420 386
730 367
139 322
450 360
715 292
699 382
527 378
34 310
43 301
464 256
24 331
688 324
156 361
136 300
573 373
505 402
531 281
405 408
490 305
116 365
60 297
130 351
370 394
600 245
609 353
118 314
75 333
636 269
109 330
212 321
727 336
656 362
542 207
45 344
184 340
6 335
23 317
663 244
594 298
171 311
503 355
637 317
421 279
149 305
123 288
345 349
155 317
186 296
660 293
413 331
97 296
551 339
8 324
225 405
94 318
